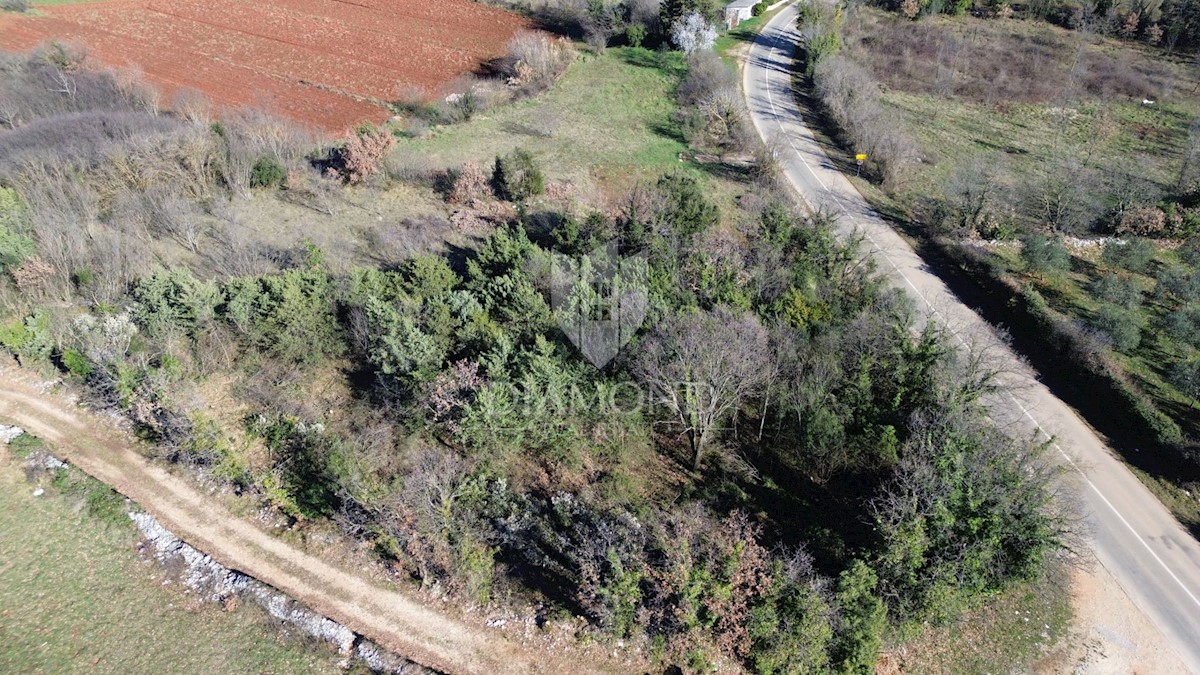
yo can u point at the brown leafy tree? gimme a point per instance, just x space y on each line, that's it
363 154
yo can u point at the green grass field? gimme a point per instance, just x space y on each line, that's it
76 597
608 120
608 124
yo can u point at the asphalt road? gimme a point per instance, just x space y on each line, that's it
1152 557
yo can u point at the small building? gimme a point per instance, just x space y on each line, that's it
738 11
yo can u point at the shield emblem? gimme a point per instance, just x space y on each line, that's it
599 300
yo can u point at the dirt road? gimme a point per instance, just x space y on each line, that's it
392 620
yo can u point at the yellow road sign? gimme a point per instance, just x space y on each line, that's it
860 157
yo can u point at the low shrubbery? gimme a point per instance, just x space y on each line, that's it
535 60
851 98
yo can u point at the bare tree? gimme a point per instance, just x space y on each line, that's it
700 367
1191 158
424 511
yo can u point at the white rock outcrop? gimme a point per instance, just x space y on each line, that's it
214 582
9 434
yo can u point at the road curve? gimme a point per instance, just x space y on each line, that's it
389 618
1156 562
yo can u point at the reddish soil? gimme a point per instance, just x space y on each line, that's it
328 63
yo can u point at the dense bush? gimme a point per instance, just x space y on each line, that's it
1045 255
361 154
516 176
1177 285
712 105
966 510
1184 375
436 408
537 59
267 172
1117 290
1135 254
15 243
1121 325
1183 325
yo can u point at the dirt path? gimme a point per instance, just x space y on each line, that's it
386 617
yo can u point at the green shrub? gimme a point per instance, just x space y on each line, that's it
790 628
1135 254
687 210
13 335
1177 284
476 566
76 363
15 243
31 340
1122 325
174 302
1045 255
268 172
291 314
759 9
864 618
1117 290
1184 375
516 177
1183 325
635 35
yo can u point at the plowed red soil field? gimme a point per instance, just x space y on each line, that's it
328 63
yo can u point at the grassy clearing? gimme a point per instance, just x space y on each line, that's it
608 124
74 595
1021 141
1008 94
607 120
1008 635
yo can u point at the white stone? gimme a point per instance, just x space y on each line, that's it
9 434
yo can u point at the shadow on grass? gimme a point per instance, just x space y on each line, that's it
735 173
669 130
669 63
